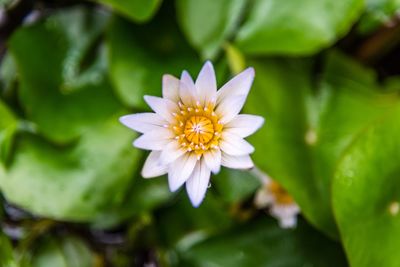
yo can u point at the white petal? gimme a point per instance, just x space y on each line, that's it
285 210
289 222
212 158
170 88
187 90
238 85
163 107
230 107
187 79
152 166
171 152
286 214
234 145
263 198
244 125
143 122
154 140
237 162
187 94
180 170
197 184
206 84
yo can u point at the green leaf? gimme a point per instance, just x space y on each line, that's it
61 252
280 93
378 12
181 225
78 182
137 10
235 185
61 94
6 3
208 32
296 27
7 117
8 74
143 196
8 128
366 195
140 55
307 130
6 252
263 243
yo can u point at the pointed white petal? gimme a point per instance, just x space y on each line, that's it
163 107
237 162
212 158
187 90
187 79
180 170
230 107
171 152
143 122
234 145
154 140
238 85
244 125
152 166
170 88
197 184
206 84
187 94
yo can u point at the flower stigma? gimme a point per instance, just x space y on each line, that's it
197 128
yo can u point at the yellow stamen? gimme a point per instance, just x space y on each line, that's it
280 194
198 127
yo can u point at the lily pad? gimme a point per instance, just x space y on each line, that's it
8 128
140 54
366 195
77 182
208 35
234 185
62 102
378 12
309 125
7 258
60 252
180 225
296 27
263 243
136 10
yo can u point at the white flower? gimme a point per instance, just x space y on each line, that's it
280 204
195 129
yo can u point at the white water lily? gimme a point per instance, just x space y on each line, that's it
195 129
278 201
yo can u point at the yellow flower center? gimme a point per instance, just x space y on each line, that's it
280 194
197 128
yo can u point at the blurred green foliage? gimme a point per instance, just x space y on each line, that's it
369 173
296 27
263 243
324 84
